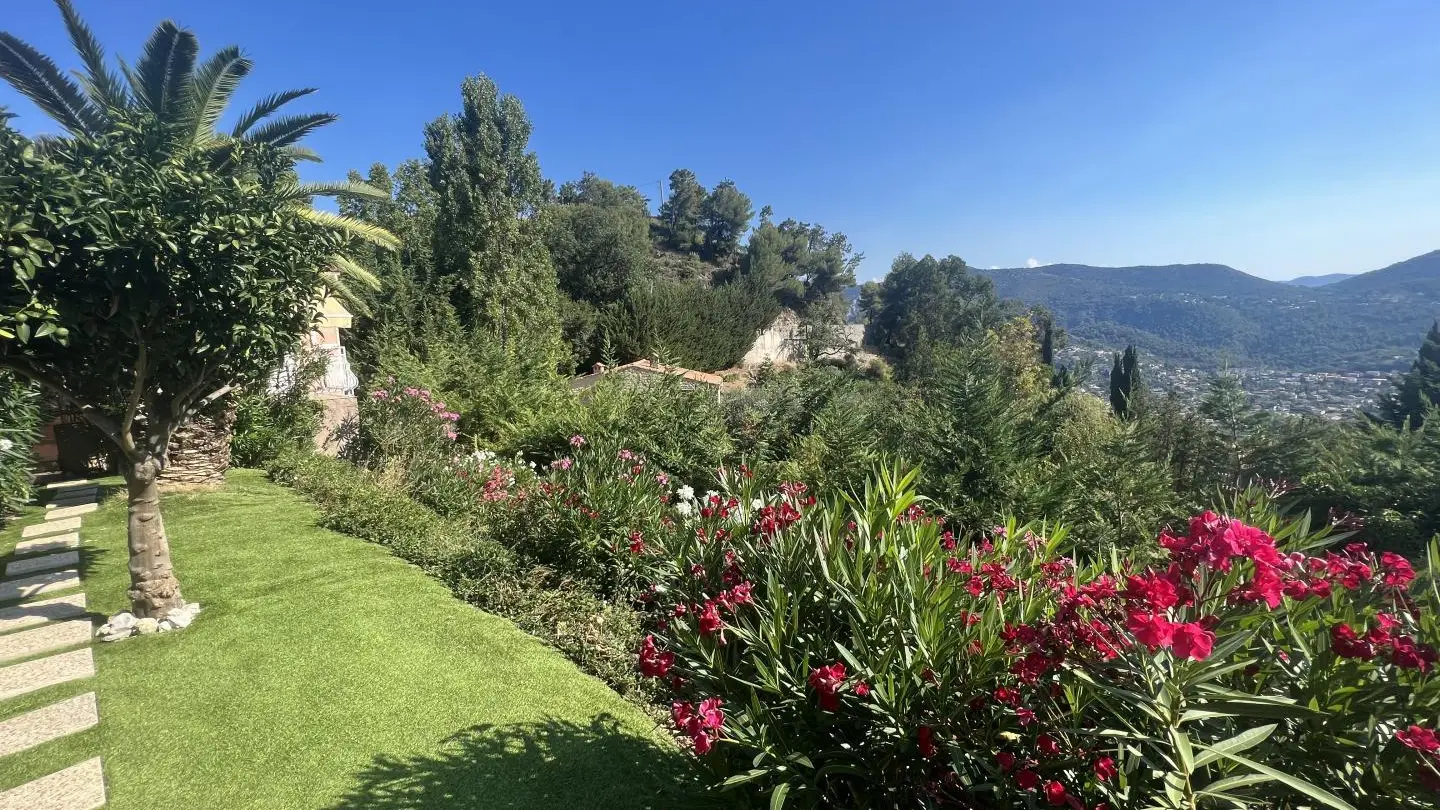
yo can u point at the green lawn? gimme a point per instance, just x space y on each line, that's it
325 673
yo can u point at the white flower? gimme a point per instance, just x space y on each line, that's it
686 493
684 508
757 504
5 445
711 494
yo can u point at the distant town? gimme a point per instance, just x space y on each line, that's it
1329 395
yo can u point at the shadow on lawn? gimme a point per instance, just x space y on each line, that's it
554 763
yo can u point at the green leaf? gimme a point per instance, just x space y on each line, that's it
777 799
1317 793
1240 742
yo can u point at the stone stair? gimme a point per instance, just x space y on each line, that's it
45 640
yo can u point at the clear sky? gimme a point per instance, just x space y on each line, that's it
1282 138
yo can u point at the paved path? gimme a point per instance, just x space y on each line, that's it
45 640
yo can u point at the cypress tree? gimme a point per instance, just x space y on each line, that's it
1419 389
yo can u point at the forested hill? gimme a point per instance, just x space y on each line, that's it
1208 314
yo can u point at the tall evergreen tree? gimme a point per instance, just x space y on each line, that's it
928 300
680 213
1417 390
724 216
599 238
1236 431
1127 385
486 239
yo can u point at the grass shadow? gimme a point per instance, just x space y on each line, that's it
551 763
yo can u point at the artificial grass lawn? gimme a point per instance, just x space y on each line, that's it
325 673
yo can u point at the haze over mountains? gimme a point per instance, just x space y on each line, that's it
1206 315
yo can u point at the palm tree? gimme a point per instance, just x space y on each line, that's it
185 102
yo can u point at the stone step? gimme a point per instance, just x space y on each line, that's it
50 581
79 787
49 562
49 723
32 613
71 511
45 544
73 482
49 637
21 679
50 527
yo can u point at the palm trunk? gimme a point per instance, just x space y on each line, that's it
154 590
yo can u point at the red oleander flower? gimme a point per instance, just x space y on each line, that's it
1105 769
1193 641
1347 644
1027 779
1152 592
1055 793
1396 570
925 739
1048 745
1424 740
637 543
1152 630
862 688
1005 760
653 662
828 681
1025 716
709 619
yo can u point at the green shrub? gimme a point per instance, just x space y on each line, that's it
268 423
680 429
19 431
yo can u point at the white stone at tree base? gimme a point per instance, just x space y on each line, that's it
44 544
79 787
124 625
48 562
74 482
51 527
63 512
31 613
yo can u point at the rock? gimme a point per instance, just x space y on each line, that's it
166 626
122 621
117 635
185 614
147 626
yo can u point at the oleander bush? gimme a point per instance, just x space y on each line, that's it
855 652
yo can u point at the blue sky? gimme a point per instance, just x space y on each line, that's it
1282 138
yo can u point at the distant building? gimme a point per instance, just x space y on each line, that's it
643 369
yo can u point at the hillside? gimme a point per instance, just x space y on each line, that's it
1206 315
1319 281
1417 276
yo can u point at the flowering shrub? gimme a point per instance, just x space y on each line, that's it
857 653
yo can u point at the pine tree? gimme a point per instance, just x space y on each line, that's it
1419 389
680 213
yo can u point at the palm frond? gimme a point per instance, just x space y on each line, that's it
304 191
105 88
162 76
336 285
38 79
291 128
265 107
350 269
297 152
215 81
353 228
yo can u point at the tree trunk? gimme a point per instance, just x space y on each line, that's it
154 590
